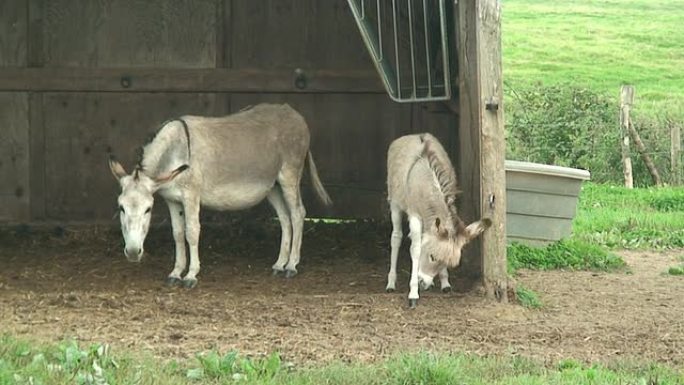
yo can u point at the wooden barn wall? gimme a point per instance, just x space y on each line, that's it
55 138
14 115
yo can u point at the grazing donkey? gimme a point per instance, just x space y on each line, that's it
421 182
223 163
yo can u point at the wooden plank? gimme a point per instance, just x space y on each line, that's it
129 33
296 33
626 100
14 151
37 152
186 80
482 132
350 136
81 130
35 46
35 58
13 27
14 157
224 25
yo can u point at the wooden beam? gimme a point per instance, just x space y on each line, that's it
626 100
482 134
187 80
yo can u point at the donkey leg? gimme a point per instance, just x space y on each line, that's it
295 206
395 243
178 226
192 232
415 232
444 280
275 197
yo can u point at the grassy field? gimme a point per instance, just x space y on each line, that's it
22 362
599 44
644 218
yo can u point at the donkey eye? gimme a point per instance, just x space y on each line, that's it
148 210
432 258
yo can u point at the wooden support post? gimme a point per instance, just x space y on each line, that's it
626 100
644 155
481 134
675 153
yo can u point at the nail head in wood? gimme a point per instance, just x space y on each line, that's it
126 81
300 79
491 105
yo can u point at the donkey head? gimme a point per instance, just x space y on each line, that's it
135 204
442 244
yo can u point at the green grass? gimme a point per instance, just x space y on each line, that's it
599 44
640 218
22 362
528 298
676 270
571 254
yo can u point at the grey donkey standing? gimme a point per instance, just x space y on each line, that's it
222 163
421 182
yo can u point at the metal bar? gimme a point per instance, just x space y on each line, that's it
391 75
381 53
427 50
413 56
382 66
396 48
445 50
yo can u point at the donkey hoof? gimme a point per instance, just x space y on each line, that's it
413 303
446 289
173 281
277 272
190 283
390 290
290 273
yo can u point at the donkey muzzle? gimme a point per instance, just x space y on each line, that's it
133 254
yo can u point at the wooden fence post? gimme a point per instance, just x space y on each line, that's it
675 153
644 155
481 134
626 100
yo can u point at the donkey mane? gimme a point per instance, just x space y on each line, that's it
155 151
446 180
140 151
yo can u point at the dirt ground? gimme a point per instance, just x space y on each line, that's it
77 284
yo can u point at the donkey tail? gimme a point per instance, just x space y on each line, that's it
316 181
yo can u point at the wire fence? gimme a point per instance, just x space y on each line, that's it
576 127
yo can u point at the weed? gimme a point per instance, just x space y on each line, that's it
565 254
22 362
528 298
640 218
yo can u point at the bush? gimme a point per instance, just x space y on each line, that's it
667 201
576 127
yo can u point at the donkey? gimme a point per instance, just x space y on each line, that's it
421 182
222 163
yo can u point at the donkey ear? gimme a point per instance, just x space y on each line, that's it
169 176
116 167
476 228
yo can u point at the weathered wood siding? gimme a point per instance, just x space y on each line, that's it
80 79
14 115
